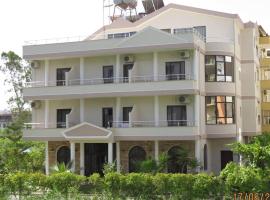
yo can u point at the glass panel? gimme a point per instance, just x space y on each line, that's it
220 98
228 59
229 99
266 96
229 72
210 110
220 68
229 109
221 110
220 58
229 120
221 121
220 78
210 60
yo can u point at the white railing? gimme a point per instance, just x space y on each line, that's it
42 125
97 81
161 123
116 124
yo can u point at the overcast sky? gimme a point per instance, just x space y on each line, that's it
23 20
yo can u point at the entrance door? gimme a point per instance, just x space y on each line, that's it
177 115
95 157
61 76
126 68
126 111
107 117
226 157
108 74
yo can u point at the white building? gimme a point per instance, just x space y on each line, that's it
180 77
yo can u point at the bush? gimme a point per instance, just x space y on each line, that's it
65 182
244 179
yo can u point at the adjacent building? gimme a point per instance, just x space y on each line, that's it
5 119
265 79
180 77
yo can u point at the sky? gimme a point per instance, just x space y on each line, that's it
44 19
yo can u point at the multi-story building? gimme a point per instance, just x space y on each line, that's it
5 119
180 77
265 79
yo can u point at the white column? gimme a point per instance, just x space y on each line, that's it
156 110
118 110
81 71
82 158
110 152
196 65
82 108
47 158
72 156
155 66
118 161
117 68
198 151
156 150
197 110
46 114
46 71
241 140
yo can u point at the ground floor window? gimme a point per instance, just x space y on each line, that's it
136 155
63 155
177 160
205 157
225 157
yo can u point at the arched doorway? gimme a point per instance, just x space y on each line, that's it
177 160
136 155
63 155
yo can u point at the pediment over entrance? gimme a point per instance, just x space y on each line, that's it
87 131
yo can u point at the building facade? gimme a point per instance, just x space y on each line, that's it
265 79
180 77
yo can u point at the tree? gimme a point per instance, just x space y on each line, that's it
15 153
256 153
17 72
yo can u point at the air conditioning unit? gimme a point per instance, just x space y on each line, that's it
36 104
184 99
185 54
129 59
35 64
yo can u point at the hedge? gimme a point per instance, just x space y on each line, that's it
135 185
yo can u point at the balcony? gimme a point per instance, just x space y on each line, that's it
135 130
108 87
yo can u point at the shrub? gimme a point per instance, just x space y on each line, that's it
65 182
243 179
96 183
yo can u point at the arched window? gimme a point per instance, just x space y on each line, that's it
205 157
136 155
63 155
177 160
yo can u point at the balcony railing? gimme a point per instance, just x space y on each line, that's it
98 81
116 124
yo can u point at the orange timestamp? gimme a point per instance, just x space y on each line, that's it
251 196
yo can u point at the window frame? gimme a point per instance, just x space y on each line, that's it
225 69
225 102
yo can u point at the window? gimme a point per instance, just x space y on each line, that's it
266 117
268 53
108 74
126 111
120 35
225 158
136 155
266 96
175 70
167 30
265 72
107 117
126 69
63 155
177 115
219 68
61 76
61 117
219 110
